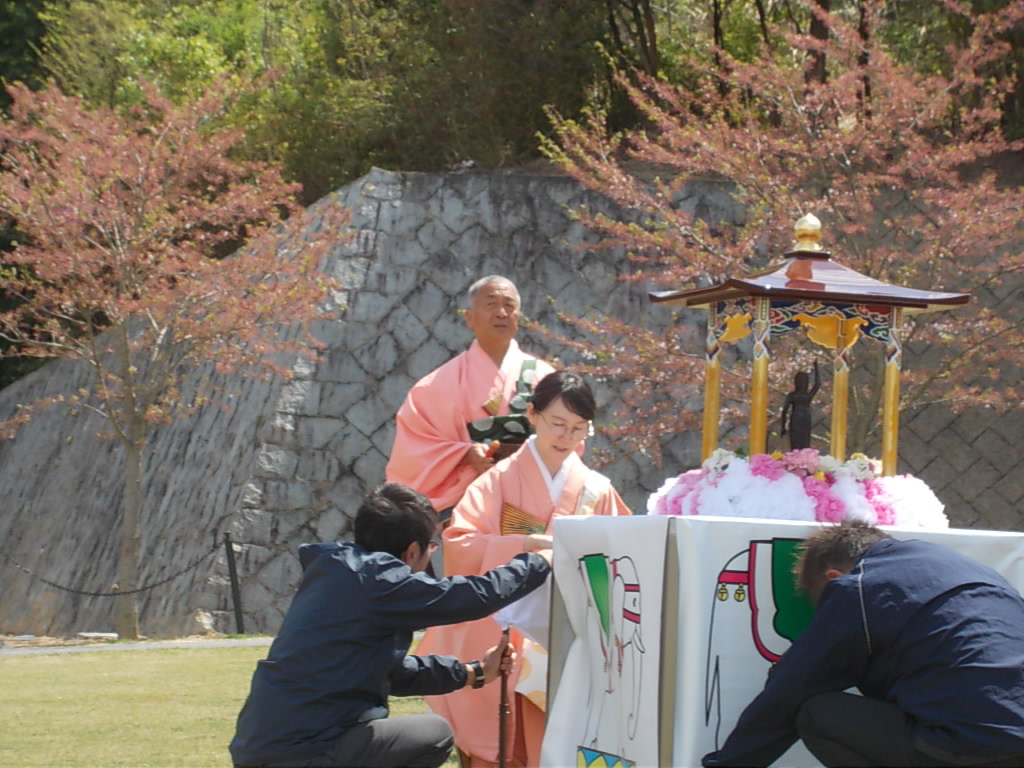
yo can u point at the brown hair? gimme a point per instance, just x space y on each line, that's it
833 546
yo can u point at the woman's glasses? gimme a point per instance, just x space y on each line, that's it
576 433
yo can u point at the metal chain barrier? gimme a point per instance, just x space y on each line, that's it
114 593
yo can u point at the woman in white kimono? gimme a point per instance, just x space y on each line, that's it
509 510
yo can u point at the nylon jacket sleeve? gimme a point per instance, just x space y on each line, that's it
418 602
427 676
830 655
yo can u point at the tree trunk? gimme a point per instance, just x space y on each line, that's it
816 64
127 616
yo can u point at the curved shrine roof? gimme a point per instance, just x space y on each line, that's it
813 276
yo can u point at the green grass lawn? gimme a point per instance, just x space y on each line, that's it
168 708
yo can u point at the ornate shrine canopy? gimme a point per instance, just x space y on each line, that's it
834 304
808 274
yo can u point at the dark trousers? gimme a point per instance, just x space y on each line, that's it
843 729
411 741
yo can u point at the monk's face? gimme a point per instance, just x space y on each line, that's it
559 431
493 316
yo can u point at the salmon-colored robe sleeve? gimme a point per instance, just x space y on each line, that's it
473 543
431 436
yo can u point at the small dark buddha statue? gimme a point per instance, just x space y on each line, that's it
796 410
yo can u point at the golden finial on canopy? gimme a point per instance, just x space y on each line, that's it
807 232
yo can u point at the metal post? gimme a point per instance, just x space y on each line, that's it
236 593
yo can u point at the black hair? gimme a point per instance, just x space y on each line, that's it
573 390
834 546
392 517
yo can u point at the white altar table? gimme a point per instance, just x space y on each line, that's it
664 628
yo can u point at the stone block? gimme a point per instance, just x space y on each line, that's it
299 397
450 329
281 431
383 190
290 525
349 269
429 356
975 482
378 357
252 494
996 450
1010 425
384 438
348 492
953 447
369 414
914 453
340 366
370 467
349 446
331 525
393 389
359 334
939 474
316 433
563 192
336 399
453 274
370 307
930 421
474 246
274 462
317 467
406 251
427 302
432 237
406 329
1010 486
961 513
996 513
421 187
287 496
973 422
329 331
401 218
391 281
256 596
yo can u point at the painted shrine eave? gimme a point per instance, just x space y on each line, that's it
807 277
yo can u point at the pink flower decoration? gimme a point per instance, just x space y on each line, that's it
763 465
827 508
802 460
673 501
880 501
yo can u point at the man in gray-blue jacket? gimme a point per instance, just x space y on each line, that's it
933 640
320 697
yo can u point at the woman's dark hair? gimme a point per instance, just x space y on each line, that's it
392 517
573 390
834 546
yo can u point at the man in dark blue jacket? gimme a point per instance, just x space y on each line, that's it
320 697
933 640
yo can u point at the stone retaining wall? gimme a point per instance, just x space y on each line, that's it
278 465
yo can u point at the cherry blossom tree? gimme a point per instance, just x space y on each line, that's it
125 221
908 170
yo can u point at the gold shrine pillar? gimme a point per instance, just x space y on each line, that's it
759 385
840 398
712 384
891 394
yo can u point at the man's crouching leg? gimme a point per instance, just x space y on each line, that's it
843 729
416 741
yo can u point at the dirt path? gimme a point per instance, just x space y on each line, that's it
28 646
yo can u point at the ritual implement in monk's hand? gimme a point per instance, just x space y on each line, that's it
503 710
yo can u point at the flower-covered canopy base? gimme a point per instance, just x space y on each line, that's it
800 485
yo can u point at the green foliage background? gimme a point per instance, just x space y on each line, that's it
422 84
